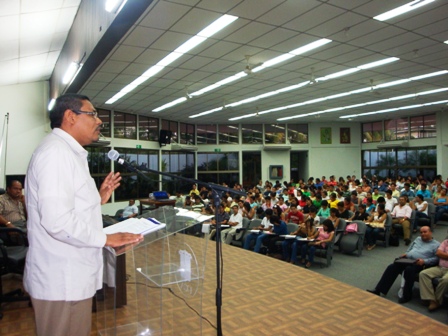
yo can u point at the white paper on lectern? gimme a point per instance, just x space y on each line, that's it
193 215
135 225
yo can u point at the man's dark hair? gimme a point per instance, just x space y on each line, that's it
381 199
68 101
11 182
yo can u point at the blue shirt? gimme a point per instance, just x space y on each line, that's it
420 249
409 193
280 229
425 194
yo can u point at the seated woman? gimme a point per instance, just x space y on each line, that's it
188 202
277 211
361 214
324 210
306 229
420 206
321 238
334 217
248 211
376 224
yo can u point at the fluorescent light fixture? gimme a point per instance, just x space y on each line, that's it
338 74
71 73
174 102
378 63
432 74
446 42
402 9
112 5
374 102
269 63
299 85
217 25
208 31
51 104
395 109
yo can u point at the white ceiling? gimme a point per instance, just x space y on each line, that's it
265 29
33 33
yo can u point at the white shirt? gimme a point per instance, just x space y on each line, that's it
390 204
236 218
130 210
419 207
266 223
65 230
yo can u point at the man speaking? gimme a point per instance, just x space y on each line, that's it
64 264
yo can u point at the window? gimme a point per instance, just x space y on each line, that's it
252 133
99 163
125 125
228 134
186 134
218 167
133 185
148 128
372 132
177 163
206 134
403 161
104 115
423 127
251 168
274 134
171 126
396 129
297 133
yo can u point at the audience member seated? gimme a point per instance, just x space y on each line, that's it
321 238
129 211
427 292
441 204
324 210
194 190
266 225
401 214
420 206
197 206
343 212
235 222
294 215
395 191
407 191
277 211
370 207
361 214
375 224
421 253
188 202
12 206
424 192
290 247
333 202
279 228
222 217
391 201
334 217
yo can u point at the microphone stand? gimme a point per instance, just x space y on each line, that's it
216 201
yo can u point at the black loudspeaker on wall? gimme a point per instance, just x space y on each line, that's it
165 137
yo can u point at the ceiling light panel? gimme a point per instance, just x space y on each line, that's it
410 6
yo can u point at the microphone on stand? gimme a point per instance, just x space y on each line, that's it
115 156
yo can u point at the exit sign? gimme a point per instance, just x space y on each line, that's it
217 150
138 146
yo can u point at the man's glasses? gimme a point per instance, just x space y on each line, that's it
94 114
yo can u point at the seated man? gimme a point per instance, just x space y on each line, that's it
266 225
130 211
222 217
12 206
423 252
426 288
235 222
401 214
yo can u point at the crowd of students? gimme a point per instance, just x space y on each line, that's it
306 203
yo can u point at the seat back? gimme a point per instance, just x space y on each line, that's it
321 219
291 227
384 235
353 241
327 252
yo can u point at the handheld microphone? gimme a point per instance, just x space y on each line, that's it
115 156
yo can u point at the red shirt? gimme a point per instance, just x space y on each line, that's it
295 217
